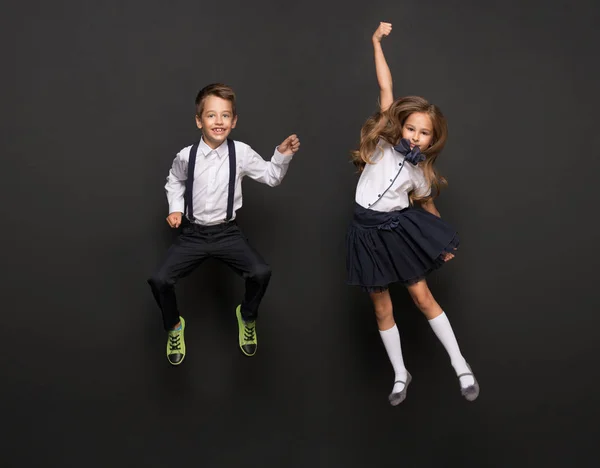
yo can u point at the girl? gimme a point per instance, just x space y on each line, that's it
397 234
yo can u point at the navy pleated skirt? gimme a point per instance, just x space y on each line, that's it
395 247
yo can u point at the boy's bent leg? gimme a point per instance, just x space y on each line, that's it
182 258
188 251
235 250
257 282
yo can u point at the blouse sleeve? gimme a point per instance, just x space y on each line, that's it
420 185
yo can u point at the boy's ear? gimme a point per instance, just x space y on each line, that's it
234 123
198 122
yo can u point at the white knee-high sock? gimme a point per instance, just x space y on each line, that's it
443 330
391 341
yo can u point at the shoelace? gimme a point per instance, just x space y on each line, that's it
248 333
174 343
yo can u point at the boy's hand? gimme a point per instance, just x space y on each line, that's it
383 30
289 146
174 219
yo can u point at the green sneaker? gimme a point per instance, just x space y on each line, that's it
247 334
176 345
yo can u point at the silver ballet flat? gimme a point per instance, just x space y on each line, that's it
472 391
399 397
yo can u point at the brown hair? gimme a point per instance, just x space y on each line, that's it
215 89
388 126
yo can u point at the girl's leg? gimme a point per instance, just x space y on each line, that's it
391 340
440 324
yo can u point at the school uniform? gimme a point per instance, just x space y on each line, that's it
209 199
389 240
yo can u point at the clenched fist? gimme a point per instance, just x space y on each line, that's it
289 146
383 30
174 219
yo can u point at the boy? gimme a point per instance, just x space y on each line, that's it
205 184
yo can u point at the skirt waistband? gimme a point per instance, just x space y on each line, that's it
368 219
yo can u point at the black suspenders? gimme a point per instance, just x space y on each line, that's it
189 183
232 167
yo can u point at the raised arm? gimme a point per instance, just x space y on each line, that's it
271 172
384 76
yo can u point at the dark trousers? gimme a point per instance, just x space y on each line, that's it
195 244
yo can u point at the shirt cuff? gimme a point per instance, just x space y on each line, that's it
280 159
176 206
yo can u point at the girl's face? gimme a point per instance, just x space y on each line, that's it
418 129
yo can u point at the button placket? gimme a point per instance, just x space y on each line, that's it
380 195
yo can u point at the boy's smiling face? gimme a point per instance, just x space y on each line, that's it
217 120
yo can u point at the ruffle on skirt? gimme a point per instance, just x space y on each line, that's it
398 246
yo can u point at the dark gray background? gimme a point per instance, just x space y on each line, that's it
97 100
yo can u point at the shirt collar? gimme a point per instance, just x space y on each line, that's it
222 150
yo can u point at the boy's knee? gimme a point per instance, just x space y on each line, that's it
261 272
160 281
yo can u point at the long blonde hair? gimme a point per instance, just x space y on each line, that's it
388 126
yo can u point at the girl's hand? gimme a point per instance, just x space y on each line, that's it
383 30
447 256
